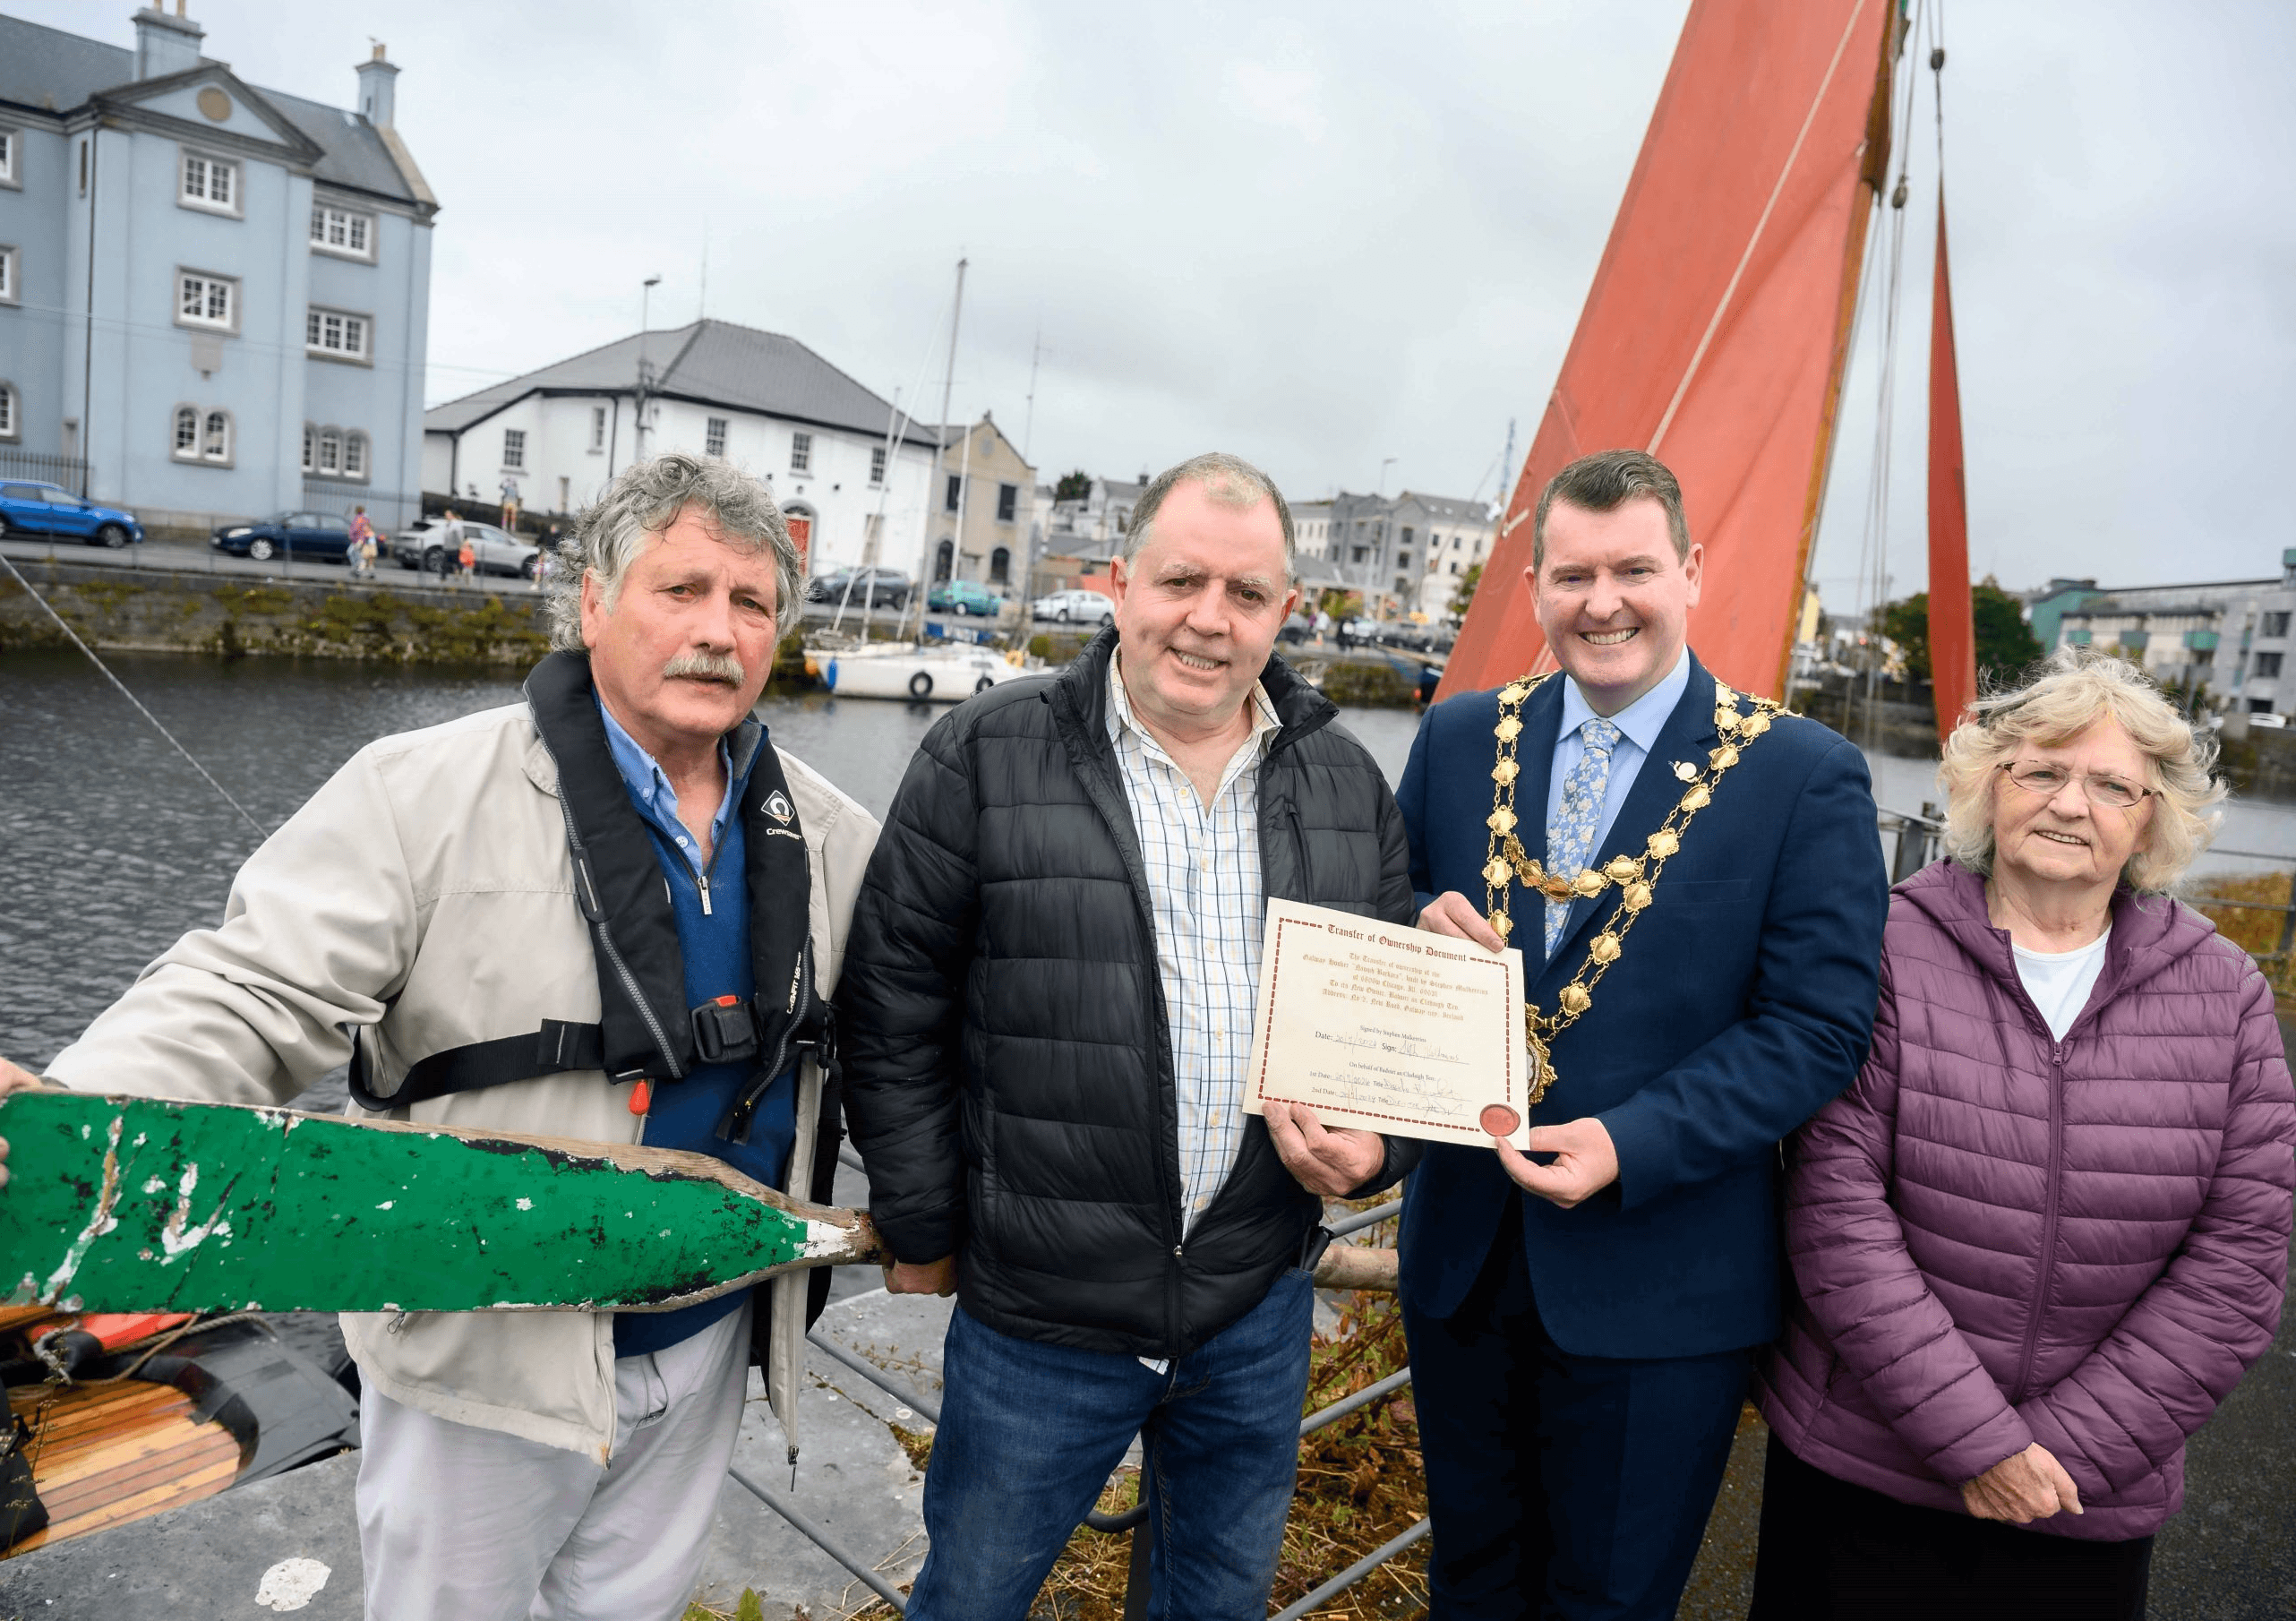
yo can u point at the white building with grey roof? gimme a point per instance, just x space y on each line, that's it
850 472
214 298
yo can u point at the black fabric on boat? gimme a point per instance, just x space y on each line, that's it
283 1408
21 1511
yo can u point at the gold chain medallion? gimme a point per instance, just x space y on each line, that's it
1634 876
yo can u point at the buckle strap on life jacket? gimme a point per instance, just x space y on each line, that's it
557 1047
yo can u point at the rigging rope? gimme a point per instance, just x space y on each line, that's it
1873 547
61 624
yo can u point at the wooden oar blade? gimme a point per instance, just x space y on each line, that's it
149 1204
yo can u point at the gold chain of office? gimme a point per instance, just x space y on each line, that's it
1634 876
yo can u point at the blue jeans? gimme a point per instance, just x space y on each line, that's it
1030 1432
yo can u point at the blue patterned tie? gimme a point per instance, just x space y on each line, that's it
1572 838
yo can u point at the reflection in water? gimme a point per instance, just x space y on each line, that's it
111 846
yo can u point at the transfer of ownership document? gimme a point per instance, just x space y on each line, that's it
1395 1030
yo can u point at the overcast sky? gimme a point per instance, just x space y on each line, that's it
1326 235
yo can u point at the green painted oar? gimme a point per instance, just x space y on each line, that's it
154 1204
149 1204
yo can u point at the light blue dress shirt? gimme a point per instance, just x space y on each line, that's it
650 788
1639 725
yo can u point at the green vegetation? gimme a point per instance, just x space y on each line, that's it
1369 685
1074 486
1057 647
2004 642
1463 597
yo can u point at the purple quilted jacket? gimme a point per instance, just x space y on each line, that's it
2002 1238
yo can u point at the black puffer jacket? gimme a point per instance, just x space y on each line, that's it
1009 1069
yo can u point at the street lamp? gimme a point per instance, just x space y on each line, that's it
644 382
1383 465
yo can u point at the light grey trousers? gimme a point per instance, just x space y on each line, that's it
458 1524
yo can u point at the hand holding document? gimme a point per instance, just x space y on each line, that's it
1389 1028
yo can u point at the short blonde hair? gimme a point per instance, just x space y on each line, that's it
2070 691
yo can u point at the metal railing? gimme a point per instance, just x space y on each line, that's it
1920 839
39 468
1135 1594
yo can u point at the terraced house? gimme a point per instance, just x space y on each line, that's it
213 298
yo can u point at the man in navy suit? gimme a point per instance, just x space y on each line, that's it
1582 1319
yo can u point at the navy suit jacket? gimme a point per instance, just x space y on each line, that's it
1744 1001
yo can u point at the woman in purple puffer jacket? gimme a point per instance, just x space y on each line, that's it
2046 1231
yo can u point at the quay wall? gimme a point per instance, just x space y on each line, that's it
239 615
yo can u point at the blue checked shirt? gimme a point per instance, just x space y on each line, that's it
1205 892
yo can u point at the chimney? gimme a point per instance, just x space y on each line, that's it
166 45
375 88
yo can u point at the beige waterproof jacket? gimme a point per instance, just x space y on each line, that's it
425 891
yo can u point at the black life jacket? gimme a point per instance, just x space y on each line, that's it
646 1032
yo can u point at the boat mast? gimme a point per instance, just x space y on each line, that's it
940 452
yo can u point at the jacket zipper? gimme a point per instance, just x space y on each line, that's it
2047 1223
1067 717
2056 1049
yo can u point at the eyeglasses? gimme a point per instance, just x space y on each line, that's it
2112 792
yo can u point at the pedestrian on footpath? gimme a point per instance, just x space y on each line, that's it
452 543
362 546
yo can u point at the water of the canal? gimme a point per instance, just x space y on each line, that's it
111 846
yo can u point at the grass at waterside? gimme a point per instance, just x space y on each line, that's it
2253 930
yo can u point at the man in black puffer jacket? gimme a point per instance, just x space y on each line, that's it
1048 1005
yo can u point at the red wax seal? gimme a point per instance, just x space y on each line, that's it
1498 1119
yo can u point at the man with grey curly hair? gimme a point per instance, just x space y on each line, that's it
638 506
609 913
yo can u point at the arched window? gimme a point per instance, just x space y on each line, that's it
944 559
215 437
1000 566
187 433
310 445
330 452
354 455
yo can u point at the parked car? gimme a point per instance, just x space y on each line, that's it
46 509
316 537
1074 608
870 587
499 552
963 596
1297 629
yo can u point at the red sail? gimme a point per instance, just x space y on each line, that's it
1719 322
1952 633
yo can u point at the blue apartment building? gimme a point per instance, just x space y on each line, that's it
213 298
